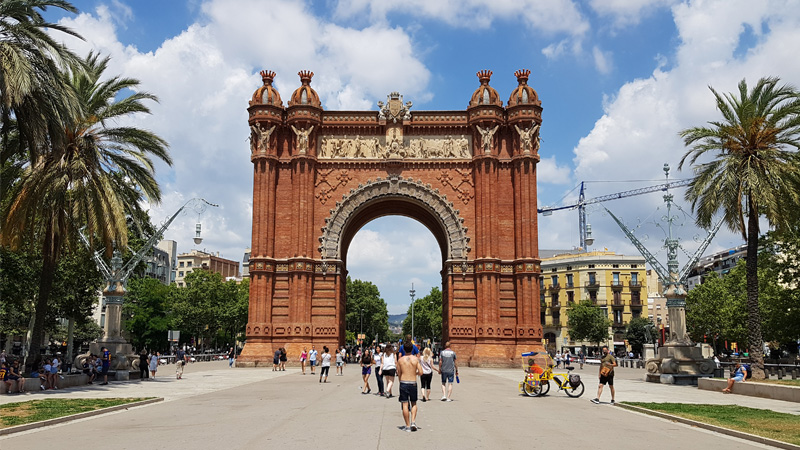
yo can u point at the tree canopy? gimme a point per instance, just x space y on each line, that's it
364 302
587 322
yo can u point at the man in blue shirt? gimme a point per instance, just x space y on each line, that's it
414 349
312 358
106 358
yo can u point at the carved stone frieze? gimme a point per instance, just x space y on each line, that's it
462 183
395 186
449 147
327 183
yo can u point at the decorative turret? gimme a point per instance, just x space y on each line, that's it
523 94
266 94
485 95
305 95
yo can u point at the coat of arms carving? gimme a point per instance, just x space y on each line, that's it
394 109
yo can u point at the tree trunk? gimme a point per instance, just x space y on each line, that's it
70 340
49 261
754 342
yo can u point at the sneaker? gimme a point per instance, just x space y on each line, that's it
444 399
613 402
413 426
407 429
449 400
596 401
423 400
41 387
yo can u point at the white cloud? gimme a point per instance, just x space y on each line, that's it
204 76
628 12
602 60
548 171
638 131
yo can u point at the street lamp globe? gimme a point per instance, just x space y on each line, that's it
197 238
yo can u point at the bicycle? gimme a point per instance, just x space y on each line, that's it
539 372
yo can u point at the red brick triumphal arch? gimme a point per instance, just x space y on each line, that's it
468 176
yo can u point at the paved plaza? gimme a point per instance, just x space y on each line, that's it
214 407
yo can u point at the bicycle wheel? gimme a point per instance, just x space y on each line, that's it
529 389
543 388
574 391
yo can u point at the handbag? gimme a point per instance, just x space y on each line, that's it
604 371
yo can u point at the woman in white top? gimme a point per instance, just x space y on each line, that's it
427 373
326 364
154 364
389 368
376 358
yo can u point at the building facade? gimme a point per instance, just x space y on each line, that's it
468 175
720 262
171 249
196 259
615 283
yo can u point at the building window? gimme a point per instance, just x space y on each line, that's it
554 269
615 266
188 264
592 278
591 266
617 297
181 264
593 296
554 280
636 313
180 274
635 296
541 284
634 278
618 317
556 318
570 297
569 280
650 316
658 306
569 267
554 299
634 266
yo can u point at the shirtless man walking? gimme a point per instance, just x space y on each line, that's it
408 368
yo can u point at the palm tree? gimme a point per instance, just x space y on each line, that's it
32 91
96 178
749 167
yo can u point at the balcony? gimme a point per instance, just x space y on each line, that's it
592 284
617 303
569 285
635 284
616 284
556 304
555 287
599 302
636 302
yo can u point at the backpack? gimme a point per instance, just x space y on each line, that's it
748 371
574 380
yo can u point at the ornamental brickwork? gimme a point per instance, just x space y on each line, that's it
468 176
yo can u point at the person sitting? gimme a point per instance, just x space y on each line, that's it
14 375
87 370
739 375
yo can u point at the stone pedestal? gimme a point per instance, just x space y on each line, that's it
679 361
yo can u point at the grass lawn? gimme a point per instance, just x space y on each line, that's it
20 413
761 422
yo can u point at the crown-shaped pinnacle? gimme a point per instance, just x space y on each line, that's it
305 76
522 75
484 76
267 76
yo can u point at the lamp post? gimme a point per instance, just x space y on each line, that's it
411 293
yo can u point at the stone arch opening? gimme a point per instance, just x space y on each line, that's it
394 196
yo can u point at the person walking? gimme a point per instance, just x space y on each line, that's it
426 362
276 360
154 364
448 368
607 364
582 358
326 364
180 361
231 357
377 359
303 358
366 370
558 359
312 358
339 362
567 357
283 359
389 368
408 368
143 372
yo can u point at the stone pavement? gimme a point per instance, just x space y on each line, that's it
214 407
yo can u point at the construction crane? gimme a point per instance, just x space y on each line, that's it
585 230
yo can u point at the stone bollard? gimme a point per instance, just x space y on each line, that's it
794 374
780 374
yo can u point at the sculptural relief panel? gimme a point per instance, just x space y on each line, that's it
445 147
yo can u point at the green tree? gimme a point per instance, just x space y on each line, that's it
145 313
17 291
194 307
640 331
587 322
364 302
716 311
34 96
781 308
751 169
427 316
90 179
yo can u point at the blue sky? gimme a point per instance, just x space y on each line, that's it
617 78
